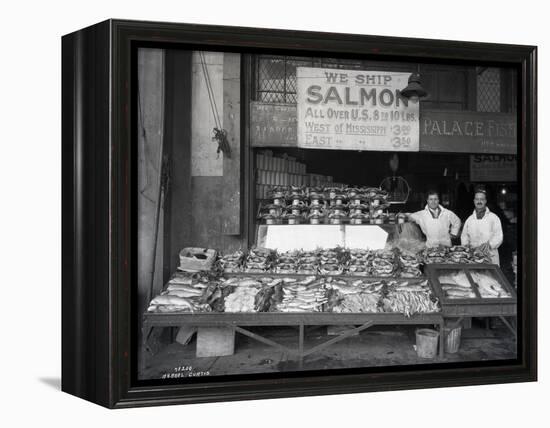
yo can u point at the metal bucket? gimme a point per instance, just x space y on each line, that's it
426 343
452 339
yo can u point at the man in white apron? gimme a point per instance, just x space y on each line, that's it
483 229
437 223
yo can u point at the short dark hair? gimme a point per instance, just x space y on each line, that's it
432 192
480 189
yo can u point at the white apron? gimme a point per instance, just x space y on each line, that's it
438 230
479 231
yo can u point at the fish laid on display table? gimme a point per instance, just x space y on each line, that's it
242 299
456 285
488 286
410 298
358 303
357 296
359 262
185 292
305 295
232 262
247 294
330 261
409 265
259 260
307 262
287 262
455 254
384 263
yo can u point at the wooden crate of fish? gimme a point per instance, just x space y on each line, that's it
472 289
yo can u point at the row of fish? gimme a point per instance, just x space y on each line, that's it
355 297
455 254
457 285
305 262
245 294
339 295
410 298
186 292
336 261
384 264
256 260
396 296
306 295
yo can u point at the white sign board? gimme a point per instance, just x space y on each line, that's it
355 110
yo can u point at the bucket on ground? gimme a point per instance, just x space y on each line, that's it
426 342
452 339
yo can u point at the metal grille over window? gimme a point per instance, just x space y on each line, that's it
488 89
271 80
276 75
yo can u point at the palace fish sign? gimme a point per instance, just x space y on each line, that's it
355 110
468 132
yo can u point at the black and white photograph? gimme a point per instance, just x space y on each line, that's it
313 213
307 213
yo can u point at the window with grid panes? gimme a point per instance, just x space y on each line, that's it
276 75
488 89
276 78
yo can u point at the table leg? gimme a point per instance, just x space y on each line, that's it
145 332
301 343
442 339
507 324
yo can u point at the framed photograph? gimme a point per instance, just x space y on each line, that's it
252 213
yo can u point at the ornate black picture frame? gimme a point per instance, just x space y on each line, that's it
100 331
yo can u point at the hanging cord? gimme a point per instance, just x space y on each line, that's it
163 171
220 134
211 97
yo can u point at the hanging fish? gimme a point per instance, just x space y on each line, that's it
220 135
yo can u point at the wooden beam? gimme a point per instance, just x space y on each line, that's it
264 340
507 324
231 205
338 338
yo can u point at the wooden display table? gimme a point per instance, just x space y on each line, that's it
478 306
238 321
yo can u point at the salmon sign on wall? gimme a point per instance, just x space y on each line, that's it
355 110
